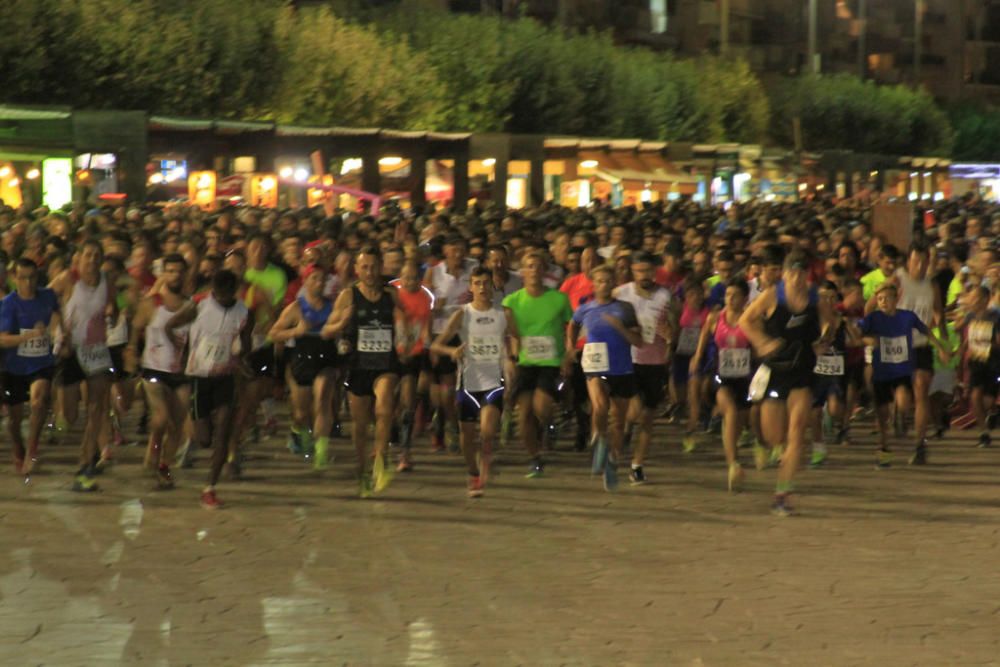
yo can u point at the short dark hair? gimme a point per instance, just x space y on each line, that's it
480 272
225 281
174 258
739 284
25 263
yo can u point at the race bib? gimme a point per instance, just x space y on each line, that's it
829 364
595 358
212 351
539 348
94 359
36 347
484 348
648 325
758 385
687 344
893 350
374 341
734 362
980 340
118 334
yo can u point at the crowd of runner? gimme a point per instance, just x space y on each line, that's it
775 321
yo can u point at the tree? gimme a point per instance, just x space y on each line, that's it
977 133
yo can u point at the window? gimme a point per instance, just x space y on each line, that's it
658 16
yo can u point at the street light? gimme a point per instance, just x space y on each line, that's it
32 174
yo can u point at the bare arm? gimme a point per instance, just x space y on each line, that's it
440 344
752 323
706 332
340 316
289 324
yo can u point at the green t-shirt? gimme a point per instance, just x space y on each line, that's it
713 280
272 279
952 341
541 322
870 282
954 289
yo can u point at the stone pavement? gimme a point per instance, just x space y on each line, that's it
896 567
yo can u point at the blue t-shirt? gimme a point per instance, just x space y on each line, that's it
591 317
893 356
717 295
17 314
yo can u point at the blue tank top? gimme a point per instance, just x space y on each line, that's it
591 317
313 317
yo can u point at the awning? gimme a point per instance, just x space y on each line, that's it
632 179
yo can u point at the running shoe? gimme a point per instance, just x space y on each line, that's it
536 469
735 478
984 441
405 463
818 458
759 455
210 501
781 506
636 476
186 455
600 457
322 453
294 443
381 475
610 474
84 481
688 443
919 457
883 459
164 480
776 453
475 487
365 485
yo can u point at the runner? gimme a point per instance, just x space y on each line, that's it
732 376
416 301
538 317
217 322
88 300
449 282
783 325
313 361
368 315
652 308
28 318
483 329
612 327
890 333
694 313
982 345
164 385
917 293
830 373
579 290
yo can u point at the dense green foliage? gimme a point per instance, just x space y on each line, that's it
410 69
843 112
977 133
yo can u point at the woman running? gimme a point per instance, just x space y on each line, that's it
732 378
692 320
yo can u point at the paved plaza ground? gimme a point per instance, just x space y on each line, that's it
896 567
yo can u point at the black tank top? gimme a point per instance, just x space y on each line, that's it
798 330
372 332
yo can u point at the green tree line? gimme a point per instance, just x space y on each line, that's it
418 69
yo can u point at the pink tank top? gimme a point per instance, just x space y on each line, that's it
691 323
729 335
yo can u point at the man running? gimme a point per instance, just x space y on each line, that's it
217 322
412 345
889 331
28 318
982 344
538 317
651 304
367 315
88 300
483 329
313 360
166 388
449 281
612 329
